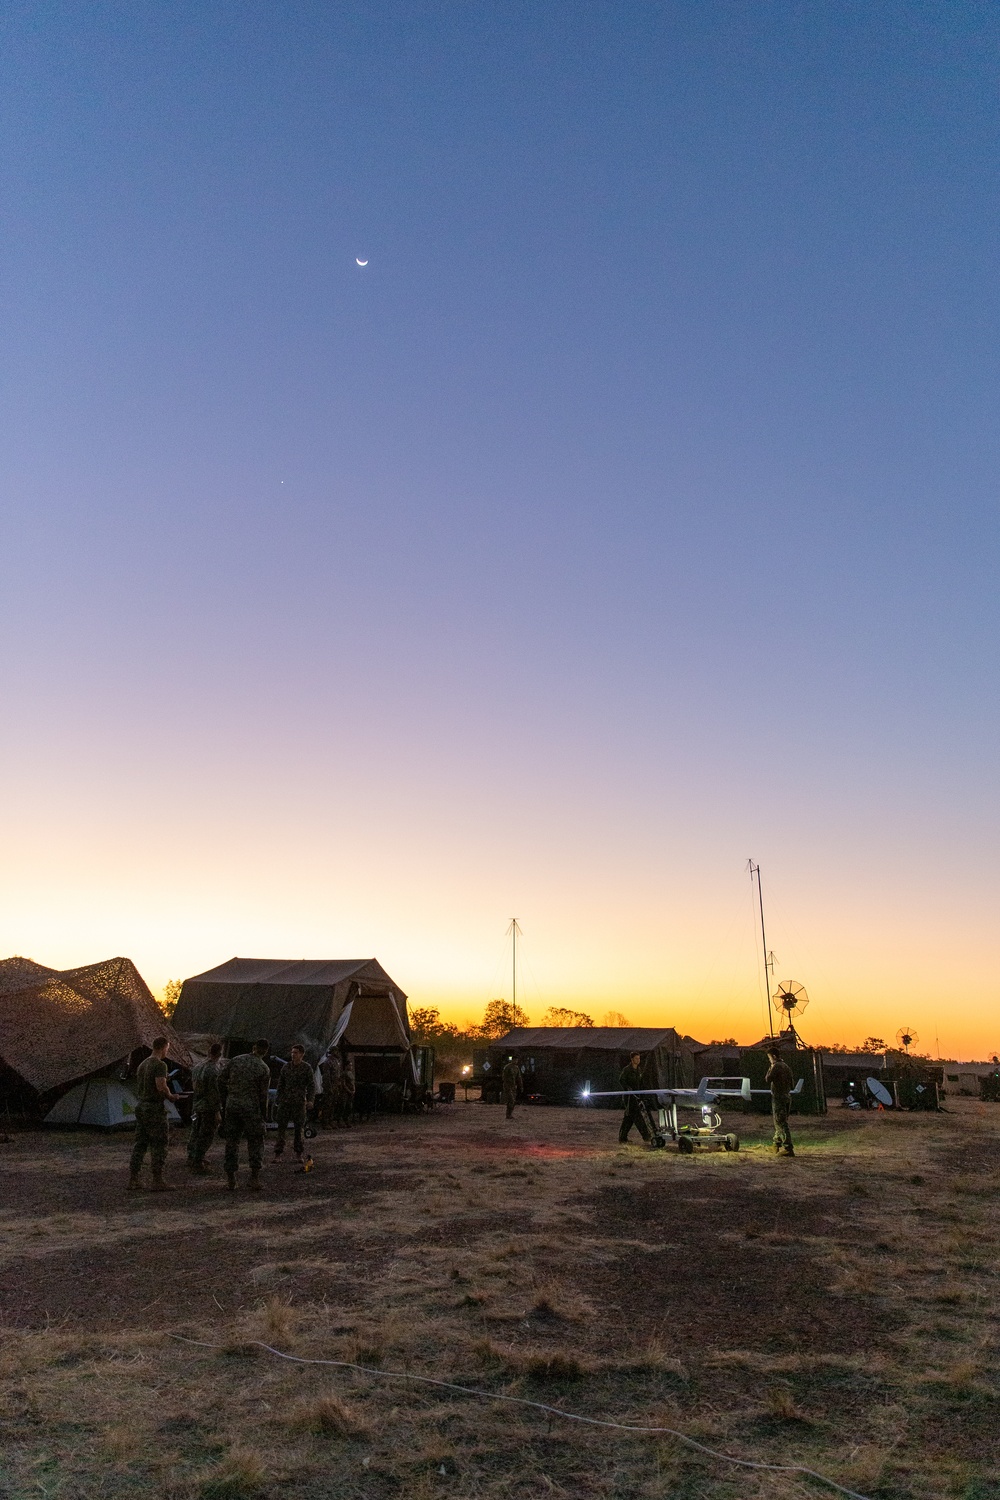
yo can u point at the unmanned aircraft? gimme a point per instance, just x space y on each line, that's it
662 1116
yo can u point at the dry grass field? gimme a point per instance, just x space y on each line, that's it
838 1311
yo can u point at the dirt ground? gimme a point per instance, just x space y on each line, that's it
838 1311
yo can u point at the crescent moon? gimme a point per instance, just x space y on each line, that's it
360 262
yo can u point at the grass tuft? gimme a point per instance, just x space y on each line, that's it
327 1416
240 1476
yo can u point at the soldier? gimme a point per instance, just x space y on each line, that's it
206 1108
510 1084
330 1070
152 1129
346 1090
630 1078
781 1078
247 1079
296 1091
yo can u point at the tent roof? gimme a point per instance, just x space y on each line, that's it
289 1000
60 1025
318 971
18 973
592 1038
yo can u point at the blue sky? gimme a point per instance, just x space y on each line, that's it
632 512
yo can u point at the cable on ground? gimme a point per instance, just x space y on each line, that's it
555 1411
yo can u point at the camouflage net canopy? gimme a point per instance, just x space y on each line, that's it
58 1026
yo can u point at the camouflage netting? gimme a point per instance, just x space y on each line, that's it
59 1026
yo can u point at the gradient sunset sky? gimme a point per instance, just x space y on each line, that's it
633 512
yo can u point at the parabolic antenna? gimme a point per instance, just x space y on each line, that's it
906 1036
879 1091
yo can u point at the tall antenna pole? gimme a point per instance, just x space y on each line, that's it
513 929
768 961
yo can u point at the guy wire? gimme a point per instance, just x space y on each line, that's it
555 1411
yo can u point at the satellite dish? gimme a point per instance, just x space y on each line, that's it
906 1036
879 1091
791 999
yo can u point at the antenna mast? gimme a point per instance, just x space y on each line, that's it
768 957
513 929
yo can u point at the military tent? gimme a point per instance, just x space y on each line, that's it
62 1027
350 1002
558 1062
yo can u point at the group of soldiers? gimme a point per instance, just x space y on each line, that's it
779 1077
234 1092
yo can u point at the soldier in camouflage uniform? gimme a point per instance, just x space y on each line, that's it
247 1079
510 1085
152 1129
781 1078
630 1078
346 1090
330 1071
296 1091
206 1106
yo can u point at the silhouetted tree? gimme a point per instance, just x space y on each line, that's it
427 1027
499 1017
171 995
558 1015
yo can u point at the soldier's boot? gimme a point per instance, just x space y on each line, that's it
158 1185
786 1151
254 1184
231 1181
134 1184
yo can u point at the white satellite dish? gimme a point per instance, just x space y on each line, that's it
879 1091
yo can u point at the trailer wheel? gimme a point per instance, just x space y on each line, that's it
310 1132
732 1143
685 1146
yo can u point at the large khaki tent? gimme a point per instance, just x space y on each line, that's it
351 1002
61 1027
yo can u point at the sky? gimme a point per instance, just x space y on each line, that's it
631 514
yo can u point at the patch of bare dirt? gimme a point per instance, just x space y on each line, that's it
736 1268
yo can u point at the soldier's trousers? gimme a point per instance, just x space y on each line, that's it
634 1115
243 1120
344 1107
201 1135
510 1099
152 1134
294 1115
782 1134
